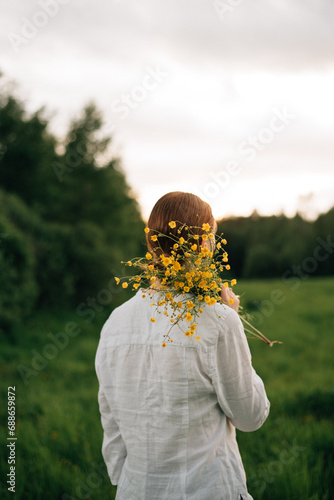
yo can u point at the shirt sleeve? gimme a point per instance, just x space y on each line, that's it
113 446
240 391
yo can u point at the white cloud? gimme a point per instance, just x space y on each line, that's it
225 77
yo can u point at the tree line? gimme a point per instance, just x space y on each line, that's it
68 217
279 246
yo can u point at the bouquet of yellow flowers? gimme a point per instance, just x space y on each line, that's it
187 278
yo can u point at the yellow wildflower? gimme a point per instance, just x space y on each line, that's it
233 282
228 267
164 344
177 266
174 279
165 260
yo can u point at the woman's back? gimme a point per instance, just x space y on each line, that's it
169 412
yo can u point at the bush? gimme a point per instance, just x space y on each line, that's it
53 273
260 262
324 228
18 290
68 263
92 260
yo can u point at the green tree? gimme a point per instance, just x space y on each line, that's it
26 152
260 262
67 207
90 186
71 180
18 284
282 242
324 229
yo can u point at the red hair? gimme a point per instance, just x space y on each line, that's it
186 209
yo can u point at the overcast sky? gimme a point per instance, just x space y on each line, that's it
230 99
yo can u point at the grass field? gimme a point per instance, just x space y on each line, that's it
58 429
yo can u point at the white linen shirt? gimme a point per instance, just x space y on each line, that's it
169 413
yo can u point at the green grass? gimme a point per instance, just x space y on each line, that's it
59 436
292 455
